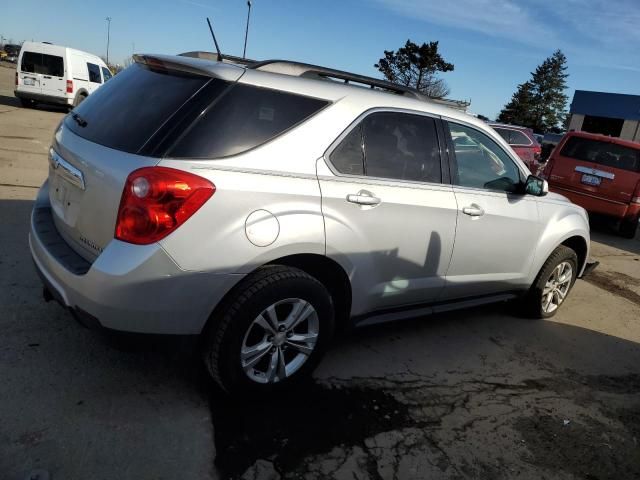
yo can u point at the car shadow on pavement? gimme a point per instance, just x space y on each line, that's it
15 102
603 230
380 385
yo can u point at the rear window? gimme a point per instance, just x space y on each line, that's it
602 153
244 118
41 63
125 112
518 138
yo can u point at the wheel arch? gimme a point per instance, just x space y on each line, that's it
324 269
579 245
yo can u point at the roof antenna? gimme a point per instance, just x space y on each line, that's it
220 57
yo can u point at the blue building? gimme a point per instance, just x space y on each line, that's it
613 114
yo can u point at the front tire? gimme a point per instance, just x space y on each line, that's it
271 332
553 283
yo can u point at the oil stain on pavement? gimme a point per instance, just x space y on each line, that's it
291 426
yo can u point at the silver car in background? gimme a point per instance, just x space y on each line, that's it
267 206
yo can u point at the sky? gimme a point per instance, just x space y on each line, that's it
494 44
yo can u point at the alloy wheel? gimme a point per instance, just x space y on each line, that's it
279 340
557 287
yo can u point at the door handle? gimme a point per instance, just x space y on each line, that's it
363 198
46 76
473 210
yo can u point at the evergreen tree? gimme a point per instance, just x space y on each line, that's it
519 111
416 66
540 103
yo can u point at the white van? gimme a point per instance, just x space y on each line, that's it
58 75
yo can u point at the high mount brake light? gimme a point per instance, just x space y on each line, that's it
156 201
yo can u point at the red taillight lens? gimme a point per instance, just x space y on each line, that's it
537 151
636 194
69 86
156 201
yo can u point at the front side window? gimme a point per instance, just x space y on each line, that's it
106 73
94 73
480 162
401 146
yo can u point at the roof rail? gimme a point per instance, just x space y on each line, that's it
214 56
298 69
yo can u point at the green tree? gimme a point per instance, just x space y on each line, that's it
416 66
519 111
540 103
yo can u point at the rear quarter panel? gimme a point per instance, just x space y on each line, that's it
223 237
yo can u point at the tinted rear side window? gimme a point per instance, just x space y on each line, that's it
44 64
244 118
126 111
348 157
602 153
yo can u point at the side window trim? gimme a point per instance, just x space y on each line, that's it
453 164
440 137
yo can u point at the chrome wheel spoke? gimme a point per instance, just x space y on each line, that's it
265 324
271 316
547 301
301 348
272 370
252 355
547 289
561 294
304 337
299 313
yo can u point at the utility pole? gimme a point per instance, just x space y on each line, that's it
108 19
246 33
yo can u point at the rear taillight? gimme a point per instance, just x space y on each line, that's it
635 198
69 86
537 151
156 201
16 79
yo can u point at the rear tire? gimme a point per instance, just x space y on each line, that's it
248 346
26 103
628 228
553 284
79 99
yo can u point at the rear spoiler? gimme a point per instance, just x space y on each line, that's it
190 65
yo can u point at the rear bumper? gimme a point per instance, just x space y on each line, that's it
130 288
599 205
40 98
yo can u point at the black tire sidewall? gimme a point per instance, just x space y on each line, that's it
561 254
233 377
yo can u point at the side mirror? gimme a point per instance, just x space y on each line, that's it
536 186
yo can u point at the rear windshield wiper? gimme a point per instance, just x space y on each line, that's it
79 120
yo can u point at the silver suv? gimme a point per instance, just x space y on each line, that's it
267 206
